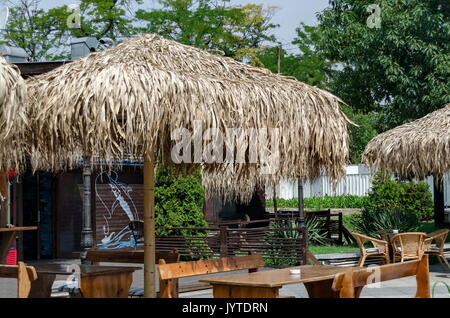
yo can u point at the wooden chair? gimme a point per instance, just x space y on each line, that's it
407 246
350 284
439 237
380 248
170 273
24 274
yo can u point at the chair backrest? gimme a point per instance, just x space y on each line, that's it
362 239
409 245
439 236
350 283
24 274
170 273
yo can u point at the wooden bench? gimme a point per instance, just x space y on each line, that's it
350 284
24 274
170 273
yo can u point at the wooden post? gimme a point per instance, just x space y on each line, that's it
439 210
340 229
301 209
3 198
223 239
149 226
87 240
302 225
275 201
423 278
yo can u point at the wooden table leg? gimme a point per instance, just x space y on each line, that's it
6 240
226 291
106 286
323 289
42 286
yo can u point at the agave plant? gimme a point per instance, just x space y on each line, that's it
370 223
314 226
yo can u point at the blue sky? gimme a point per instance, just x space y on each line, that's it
289 15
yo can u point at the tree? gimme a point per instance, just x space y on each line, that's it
45 35
237 32
106 18
40 33
309 66
361 134
401 68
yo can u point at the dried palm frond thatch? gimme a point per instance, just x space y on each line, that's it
129 98
12 115
418 149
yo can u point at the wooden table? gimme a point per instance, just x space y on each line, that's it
95 281
127 255
318 280
7 238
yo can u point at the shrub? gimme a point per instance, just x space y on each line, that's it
419 200
412 197
179 202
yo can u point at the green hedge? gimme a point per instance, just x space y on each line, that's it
327 202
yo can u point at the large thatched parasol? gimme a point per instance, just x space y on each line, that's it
12 115
130 98
417 149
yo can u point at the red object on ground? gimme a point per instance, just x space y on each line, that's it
12 173
11 258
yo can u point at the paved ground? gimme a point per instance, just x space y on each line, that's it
400 288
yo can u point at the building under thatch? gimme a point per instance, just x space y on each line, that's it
417 149
131 97
12 115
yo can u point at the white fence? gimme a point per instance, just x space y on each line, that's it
357 181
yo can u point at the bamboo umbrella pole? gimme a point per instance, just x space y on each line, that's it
149 226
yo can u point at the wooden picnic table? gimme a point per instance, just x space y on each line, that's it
318 280
95 281
127 255
7 238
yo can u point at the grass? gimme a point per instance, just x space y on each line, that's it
332 249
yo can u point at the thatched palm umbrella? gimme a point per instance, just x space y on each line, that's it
417 149
128 99
12 115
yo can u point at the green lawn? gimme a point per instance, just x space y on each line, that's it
331 249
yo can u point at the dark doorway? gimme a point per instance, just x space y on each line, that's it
38 211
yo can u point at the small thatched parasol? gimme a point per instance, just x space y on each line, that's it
416 149
128 99
12 115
